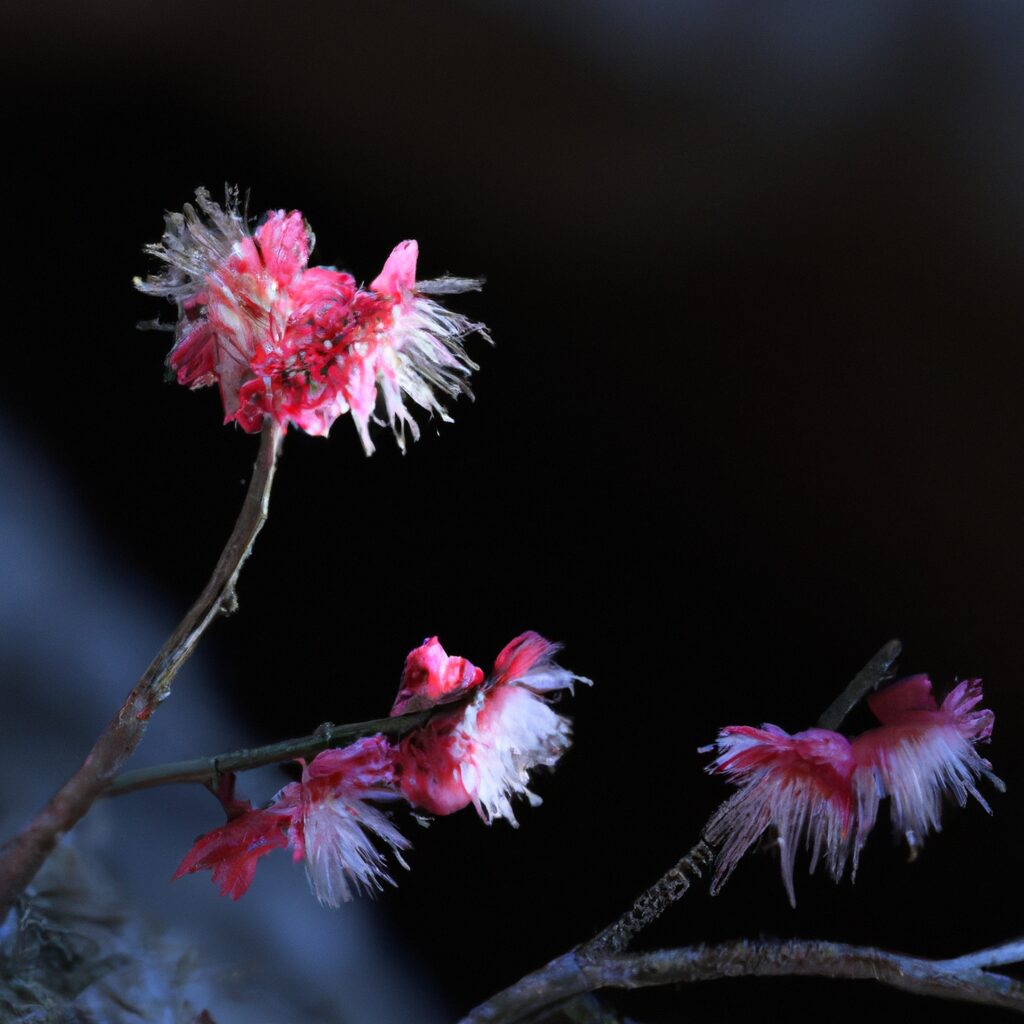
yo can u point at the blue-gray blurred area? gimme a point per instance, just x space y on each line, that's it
77 623
754 407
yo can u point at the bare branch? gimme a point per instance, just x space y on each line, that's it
869 678
572 975
23 855
650 905
205 770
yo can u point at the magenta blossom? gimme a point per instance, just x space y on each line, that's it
325 818
819 789
482 753
304 345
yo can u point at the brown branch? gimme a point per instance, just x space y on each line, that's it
206 770
963 978
22 856
652 903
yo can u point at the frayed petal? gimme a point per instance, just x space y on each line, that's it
801 785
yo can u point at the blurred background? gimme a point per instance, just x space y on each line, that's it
754 408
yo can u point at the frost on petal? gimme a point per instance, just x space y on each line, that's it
231 851
431 677
338 826
921 753
514 732
195 244
341 858
233 292
799 785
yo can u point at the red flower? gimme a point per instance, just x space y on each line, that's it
482 753
304 345
823 790
326 820
231 851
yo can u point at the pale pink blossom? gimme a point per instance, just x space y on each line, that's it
304 345
482 753
819 789
326 819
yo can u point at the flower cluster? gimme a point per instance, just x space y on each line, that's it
302 344
479 751
822 789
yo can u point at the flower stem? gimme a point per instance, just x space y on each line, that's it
23 855
206 770
869 678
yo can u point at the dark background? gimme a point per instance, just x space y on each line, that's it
754 407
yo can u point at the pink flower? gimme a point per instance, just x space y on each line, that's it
823 790
231 851
920 753
801 785
300 344
325 818
482 753
430 678
401 343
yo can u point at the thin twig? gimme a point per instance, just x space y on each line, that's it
23 855
869 678
536 995
206 770
650 905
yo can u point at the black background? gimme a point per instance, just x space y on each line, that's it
753 408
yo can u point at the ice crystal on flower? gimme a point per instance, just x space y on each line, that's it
823 790
303 344
483 752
